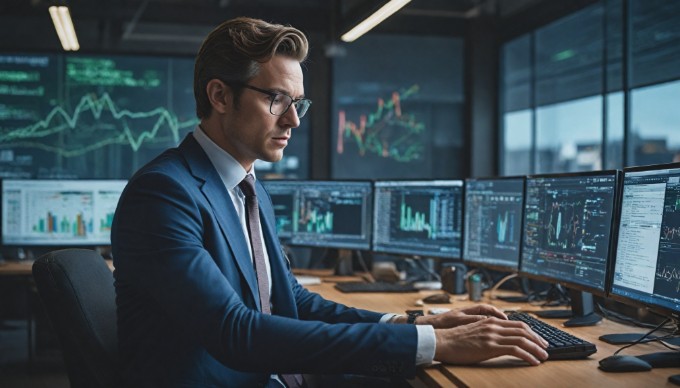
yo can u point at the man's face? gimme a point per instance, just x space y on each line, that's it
251 132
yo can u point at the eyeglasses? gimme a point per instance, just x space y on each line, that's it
280 103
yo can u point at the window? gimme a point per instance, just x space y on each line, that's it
569 136
576 78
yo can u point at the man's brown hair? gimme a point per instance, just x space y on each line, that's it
234 50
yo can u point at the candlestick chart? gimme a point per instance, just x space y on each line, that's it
389 131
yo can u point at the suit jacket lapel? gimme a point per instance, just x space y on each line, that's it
223 208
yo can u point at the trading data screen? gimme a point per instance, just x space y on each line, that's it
421 218
567 228
493 222
284 195
334 214
646 268
59 212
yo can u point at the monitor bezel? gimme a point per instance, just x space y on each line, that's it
56 243
334 244
401 253
652 306
613 235
492 266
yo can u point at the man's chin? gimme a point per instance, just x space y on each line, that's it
273 158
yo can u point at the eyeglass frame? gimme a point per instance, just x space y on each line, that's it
273 95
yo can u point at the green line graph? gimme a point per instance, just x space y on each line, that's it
59 120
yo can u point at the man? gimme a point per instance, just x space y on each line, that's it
205 296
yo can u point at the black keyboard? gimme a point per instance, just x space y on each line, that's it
374 287
563 346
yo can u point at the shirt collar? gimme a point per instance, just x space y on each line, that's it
228 168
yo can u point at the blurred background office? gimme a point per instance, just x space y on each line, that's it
442 89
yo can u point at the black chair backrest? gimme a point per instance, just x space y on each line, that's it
76 287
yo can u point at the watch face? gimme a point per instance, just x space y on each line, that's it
413 314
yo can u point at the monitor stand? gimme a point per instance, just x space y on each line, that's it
662 359
582 312
629 338
343 264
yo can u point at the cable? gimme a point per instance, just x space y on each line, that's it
369 277
639 340
493 289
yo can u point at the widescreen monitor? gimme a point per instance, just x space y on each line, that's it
333 214
283 194
418 218
493 222
568 222
646 269
59 212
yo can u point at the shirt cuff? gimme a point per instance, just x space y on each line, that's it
426 344
427 341
387 318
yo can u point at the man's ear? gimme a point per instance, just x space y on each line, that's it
219 95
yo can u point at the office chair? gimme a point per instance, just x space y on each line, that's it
76 287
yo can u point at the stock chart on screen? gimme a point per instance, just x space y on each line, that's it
419 218
493 222
58 212
568 226
334 214
102 116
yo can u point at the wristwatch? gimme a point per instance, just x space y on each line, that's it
412 315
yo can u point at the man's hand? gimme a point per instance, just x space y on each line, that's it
488 338
461 316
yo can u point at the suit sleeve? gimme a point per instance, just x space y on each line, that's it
159 251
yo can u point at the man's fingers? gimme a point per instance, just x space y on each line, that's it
511 328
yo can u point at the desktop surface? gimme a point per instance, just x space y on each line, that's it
509 371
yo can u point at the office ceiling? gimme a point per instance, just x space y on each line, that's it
180 25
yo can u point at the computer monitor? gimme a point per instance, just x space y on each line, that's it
493 222
333 214
646 271
283 194
58 212
418 218
568 221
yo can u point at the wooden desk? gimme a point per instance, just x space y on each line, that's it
509 371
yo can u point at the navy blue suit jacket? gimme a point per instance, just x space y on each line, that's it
187 296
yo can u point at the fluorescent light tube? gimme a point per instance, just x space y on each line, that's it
61 18
376 18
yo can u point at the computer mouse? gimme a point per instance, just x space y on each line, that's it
437 298
675 379
621 363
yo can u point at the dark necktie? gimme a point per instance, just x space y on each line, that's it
247 186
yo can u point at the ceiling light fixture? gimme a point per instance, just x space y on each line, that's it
376 18
61 18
